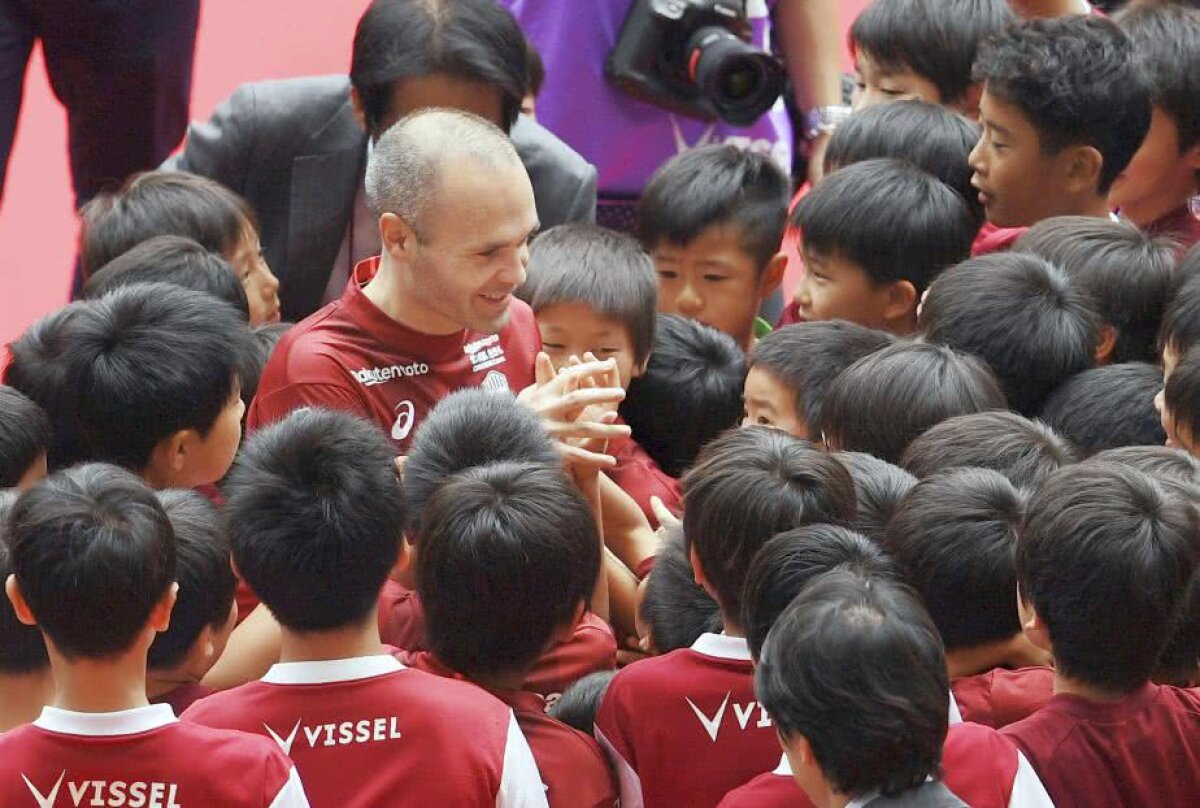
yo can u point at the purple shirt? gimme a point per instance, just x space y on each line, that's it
626 139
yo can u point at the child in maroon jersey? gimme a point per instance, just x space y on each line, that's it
24 439
26 685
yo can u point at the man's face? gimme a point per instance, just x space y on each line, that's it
440 90
1160 177
875 85
573 329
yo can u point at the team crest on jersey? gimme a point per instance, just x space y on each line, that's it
485 352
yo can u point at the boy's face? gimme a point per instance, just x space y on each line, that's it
770 403
835 288
34 474
212 455
714 280
573 329
875 85
1160 177
262 287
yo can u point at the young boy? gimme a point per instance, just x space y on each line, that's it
509 559
93 564
1108 407
876 233
316 521
24 440
1103 559
26 685
1180 404
684 728
1155 189
1181 322
879 487
675 610
712 219
792 367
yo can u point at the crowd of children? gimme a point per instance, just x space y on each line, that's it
935 537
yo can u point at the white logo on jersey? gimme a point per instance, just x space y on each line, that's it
286 746
41 799
495 382
114 793
485 352
711 725
369 377
406 416
742 712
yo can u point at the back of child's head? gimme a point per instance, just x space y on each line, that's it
879 487
159 203
1130 273
789 561
882 402
1021 315
149 360
1181 321
930 136
93 554
690 392
1161 462
170 259
202 570
263 339
1076 81
1107 407
805 358
315 518
888 217
509 556
675 609
22 649
24 437
579 703
749 485
855 666
1104 556
955 537
716 186
1024 451
1181 401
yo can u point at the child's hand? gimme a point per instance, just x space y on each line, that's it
666 519
562 398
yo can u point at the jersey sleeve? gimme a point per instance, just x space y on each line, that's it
1027 788
275 405
610 732
521 784
292 794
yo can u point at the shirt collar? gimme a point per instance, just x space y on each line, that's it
722 646
331 670
784 769
121 722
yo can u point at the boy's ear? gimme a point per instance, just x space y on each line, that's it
698 573
404 571
1083 169
772 275
1107 344
901 302
168 459
17 599
160 615
1032 624
564 631
356 105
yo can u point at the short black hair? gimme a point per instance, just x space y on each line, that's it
24 435
263 339
882 402
1181 321
1166 43
93 553
1107 407
888 217
690 392
202 570
509 552
535 69
170 259
1160 462
712 186
1130 273
1076 80
606 271
472 40
148 360
1020 314
1181 395
1104 556
158 203
22 649
747 486
856 667
315 517
879 486
579 703
469 428
789 561
674 607
955 537
807 357
931 137
1024 451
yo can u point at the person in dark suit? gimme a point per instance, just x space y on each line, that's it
296 149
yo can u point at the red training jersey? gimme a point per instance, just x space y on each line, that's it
638 475
1001 697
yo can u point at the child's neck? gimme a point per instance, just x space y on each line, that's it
503 680
348 642
1016 652
101 685
159 683
22 697
1065 685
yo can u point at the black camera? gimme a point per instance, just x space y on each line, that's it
693 57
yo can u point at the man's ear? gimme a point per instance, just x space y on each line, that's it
17 599
397 236
968 105
360 113
901 302
1107 344
772 275
1084 164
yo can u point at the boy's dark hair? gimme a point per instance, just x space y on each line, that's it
206 580
879 486
1104 556
157 203
1181 394
24 435
855 665
1181 321
604 270
931 38
469 428
1128 272
789 561
807 357
955 537
882 402
1160 462
717 185
579 703
930 136
509 552
93 553
749 485
1076 81
690 392
170 259
1107 407
535 69
1021 315
263 339
676 609
22 649
315 517
148 360
1024 451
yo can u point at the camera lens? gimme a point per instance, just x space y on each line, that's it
741 82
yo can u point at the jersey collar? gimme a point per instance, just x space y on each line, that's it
331 670
121 722
722 646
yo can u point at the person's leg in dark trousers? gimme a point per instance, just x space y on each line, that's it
16 42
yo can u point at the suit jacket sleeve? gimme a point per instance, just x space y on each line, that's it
221 147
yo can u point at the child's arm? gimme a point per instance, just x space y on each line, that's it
252 649
627 531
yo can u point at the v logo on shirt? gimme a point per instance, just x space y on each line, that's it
44 800
711 725
286 746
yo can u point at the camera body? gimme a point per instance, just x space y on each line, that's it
693 57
